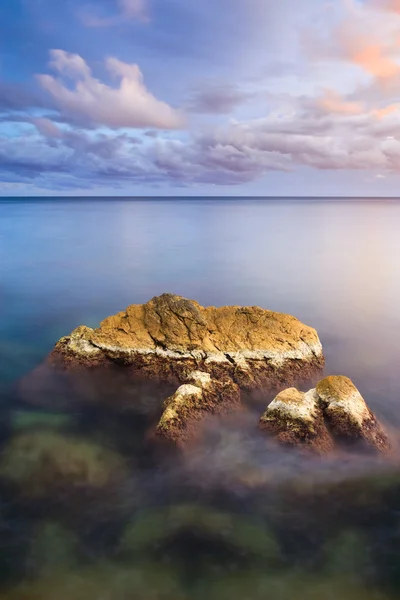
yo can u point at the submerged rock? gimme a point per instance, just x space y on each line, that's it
170 336
53 549
296 418
203 528
331 413
194 401
23 420
106 581
48 469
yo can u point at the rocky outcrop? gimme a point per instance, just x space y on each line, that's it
200 397
170 336
331 414
296 418
348 415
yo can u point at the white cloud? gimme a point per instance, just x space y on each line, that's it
136 10
94 102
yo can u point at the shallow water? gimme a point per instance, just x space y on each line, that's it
237 518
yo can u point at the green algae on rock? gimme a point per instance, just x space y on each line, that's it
53 549
153 528
331 413
27 419
51 466
106 581
193 402
170 336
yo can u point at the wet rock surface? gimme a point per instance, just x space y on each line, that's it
296 418
200 397
170 336
348 415
332 413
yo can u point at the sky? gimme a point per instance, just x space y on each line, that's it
200 97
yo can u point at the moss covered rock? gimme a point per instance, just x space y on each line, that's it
239 535
28 419
53 549
290 585
53 468
106 582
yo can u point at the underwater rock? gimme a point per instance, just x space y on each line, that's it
49 469
224 531
331 413
23 420
348 415
200 397
170 336
296 418
53 549
107 581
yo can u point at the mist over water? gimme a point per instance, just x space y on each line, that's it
235 517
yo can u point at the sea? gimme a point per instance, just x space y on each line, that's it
238 519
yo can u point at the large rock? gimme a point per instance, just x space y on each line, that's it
170 336
348 415
193 402
333 413
296 418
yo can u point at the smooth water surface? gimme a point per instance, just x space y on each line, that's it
333 264
172 528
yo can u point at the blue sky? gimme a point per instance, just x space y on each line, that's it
232 97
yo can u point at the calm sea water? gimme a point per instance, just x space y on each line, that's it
333 264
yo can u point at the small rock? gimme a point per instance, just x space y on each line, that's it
348 415
295 418
332 413
193 402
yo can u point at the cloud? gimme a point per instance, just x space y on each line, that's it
365 35
217 98
47 128
307 135
136 10
17 97
334 107
94 102
372 57
388 5
333 102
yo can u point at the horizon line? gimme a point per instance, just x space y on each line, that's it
221 197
